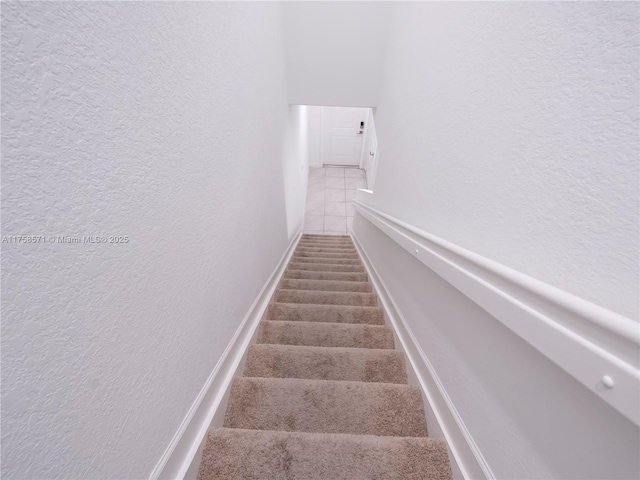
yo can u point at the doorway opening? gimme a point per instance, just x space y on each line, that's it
343 137
342 151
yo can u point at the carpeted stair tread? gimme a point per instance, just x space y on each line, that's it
323 406
327 260
326 238
326 298
344 240
327 243
316 235
233 454
313 235
325 334
325 267
326 248
325 285
326 253
326 363
335 255
330 246
325 313
311 275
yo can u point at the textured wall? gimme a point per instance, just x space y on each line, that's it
511 129
163 122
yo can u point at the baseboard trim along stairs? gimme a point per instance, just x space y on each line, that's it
182 457
324 394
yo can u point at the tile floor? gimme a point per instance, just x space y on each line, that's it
329 210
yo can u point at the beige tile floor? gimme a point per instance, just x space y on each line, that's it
328 209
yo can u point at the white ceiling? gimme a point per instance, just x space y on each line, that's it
335 51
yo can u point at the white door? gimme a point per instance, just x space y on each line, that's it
342 135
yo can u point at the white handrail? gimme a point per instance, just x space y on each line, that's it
598 347
614 322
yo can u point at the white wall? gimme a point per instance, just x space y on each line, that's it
314 136
335 51
163 122
511 129
295 167
528 418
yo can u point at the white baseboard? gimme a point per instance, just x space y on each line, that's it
185 448
466 459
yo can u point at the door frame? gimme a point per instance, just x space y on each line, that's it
365 140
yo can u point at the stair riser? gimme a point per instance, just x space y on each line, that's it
326 407
321 363
324 267
326 313
341 276
326 334
328 286
326 261
327 298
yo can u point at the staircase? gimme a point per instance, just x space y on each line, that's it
324 394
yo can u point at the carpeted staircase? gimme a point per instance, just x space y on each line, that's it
324 394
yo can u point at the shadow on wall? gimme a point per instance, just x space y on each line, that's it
295 166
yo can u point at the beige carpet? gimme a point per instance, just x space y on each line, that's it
324 394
